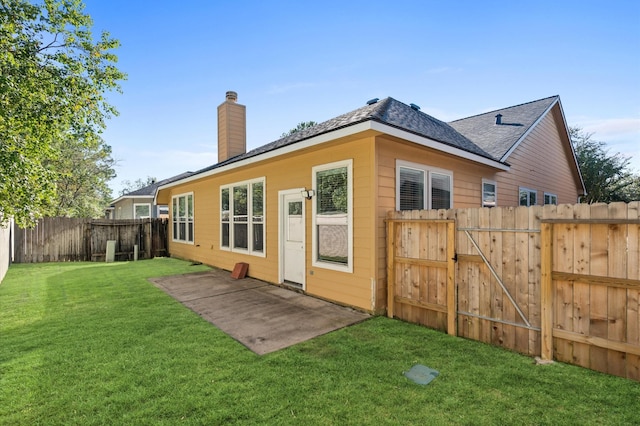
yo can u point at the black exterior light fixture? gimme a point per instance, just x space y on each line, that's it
307 193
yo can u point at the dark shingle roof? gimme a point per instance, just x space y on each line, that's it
150 190
497 139
387 111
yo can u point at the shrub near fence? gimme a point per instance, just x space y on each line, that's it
61 239
559 282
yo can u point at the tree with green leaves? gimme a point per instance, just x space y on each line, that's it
128 186
83 170
301 126
53 80
607 177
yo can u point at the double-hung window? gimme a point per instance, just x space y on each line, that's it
141 210
420 187
333 216
488 193
242 217
527 196
182 218
550 198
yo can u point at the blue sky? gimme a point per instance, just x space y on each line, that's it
299 61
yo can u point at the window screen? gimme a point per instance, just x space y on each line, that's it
332 220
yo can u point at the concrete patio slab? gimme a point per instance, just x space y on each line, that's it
261 316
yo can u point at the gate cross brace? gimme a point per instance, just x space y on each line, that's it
495 275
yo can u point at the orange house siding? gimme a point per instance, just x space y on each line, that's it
374 156
285 172
467 188
542 162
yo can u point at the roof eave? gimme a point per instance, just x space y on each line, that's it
122 197
439 146
573 151
529 130
352 129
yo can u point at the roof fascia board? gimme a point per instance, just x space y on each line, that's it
573 151
122 197
336 134
438 146
529 130
316 140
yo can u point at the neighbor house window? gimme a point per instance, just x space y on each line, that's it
550 198
141 211
420 187
182 218
488 193
332 216
528 197
242 217
163 211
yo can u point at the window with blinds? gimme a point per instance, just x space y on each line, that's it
420 187
411 189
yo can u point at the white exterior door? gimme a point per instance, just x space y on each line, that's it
292 237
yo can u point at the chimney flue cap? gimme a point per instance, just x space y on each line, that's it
232 96
499 118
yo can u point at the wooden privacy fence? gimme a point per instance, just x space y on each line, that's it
560 282
61 239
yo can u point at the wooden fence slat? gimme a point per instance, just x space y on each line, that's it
546 293
580 303
633 295
462 273
521 277
451 280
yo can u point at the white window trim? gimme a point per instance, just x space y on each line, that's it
172 215
159 206
427 185
495 192
549 194
141 204
249 222
314 234
529 190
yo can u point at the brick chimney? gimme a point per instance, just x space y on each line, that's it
232 128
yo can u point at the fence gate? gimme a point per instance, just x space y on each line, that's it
421 272
591 291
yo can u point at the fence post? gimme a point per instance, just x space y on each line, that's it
391 279
452 302
546 293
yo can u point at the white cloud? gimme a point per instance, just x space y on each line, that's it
612 128
620 134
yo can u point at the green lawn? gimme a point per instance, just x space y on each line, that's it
89 343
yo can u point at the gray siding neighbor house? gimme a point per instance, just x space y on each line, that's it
139 204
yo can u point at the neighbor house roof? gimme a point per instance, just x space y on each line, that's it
149 191
516 121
